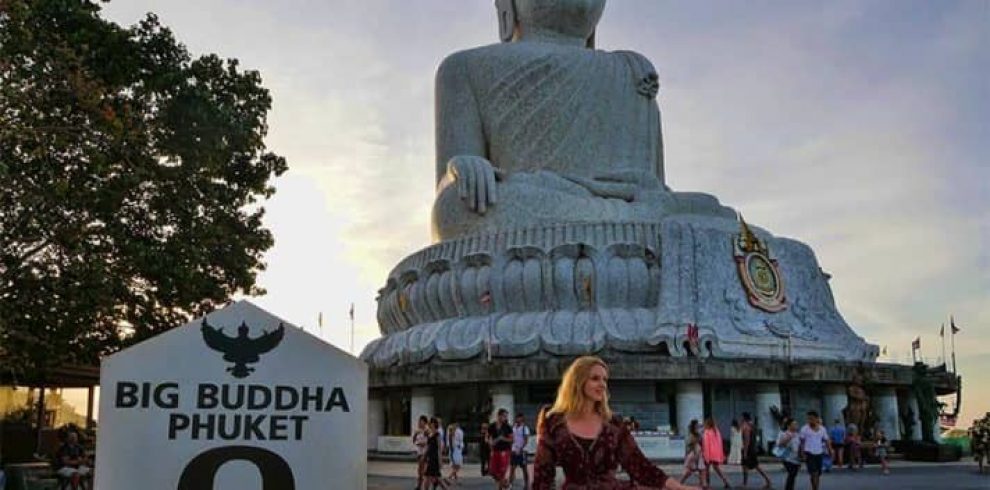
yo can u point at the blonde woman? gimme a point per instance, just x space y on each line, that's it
580 433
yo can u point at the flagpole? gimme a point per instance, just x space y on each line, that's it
945 361
351 314
953 328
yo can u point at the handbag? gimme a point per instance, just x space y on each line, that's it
779 451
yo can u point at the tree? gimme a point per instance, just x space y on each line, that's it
131 181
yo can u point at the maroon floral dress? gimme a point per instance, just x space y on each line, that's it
591 465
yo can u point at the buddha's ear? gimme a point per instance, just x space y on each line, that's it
506 19
591 40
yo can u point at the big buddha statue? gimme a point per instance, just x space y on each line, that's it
545 129
555 232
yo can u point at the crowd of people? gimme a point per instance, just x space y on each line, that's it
580 434
811 444
502 450
433 443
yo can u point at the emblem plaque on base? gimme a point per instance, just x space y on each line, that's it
758 271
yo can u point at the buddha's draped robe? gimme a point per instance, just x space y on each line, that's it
568 110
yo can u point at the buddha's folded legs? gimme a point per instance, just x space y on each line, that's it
545 198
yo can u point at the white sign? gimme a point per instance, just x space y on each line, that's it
238 400
396 444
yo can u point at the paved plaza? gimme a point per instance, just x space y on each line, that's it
904 476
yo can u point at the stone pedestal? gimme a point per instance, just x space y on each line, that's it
420 404
885 407
376 421
916 428
767 396
690 400
502 398
574 288
834 402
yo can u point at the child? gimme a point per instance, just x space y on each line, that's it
882 445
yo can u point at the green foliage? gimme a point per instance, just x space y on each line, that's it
23 414
979 434
928 404
131 177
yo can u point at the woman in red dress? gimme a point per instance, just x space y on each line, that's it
580 434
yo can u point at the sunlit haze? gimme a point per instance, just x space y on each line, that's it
860 128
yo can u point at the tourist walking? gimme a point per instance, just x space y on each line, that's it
694 461
580 434
431 476
815 443
500 435
484 449
788 449
854 443
443 440
711 449
838 436
750 451
882 445
520 438
456 451
735 443
420 441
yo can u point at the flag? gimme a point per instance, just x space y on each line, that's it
350 313
941 333
916 344
485 298
952 321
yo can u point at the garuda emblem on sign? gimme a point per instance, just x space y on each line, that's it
759 273
241 350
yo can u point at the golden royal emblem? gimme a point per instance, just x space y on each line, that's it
759 273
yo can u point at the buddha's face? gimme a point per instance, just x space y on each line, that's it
574 18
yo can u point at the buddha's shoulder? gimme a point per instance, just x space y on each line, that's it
515 52
484 62
468 57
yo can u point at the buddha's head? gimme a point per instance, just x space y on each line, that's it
566 18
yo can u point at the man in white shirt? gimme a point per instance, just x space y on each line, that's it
520 437
814 442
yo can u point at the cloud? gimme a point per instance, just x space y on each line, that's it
859 128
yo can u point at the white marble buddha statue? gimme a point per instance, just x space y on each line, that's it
544 129
555 232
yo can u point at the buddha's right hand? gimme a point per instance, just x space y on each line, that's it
475 179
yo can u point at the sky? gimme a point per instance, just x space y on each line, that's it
860 128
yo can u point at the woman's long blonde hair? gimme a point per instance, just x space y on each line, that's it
570 394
